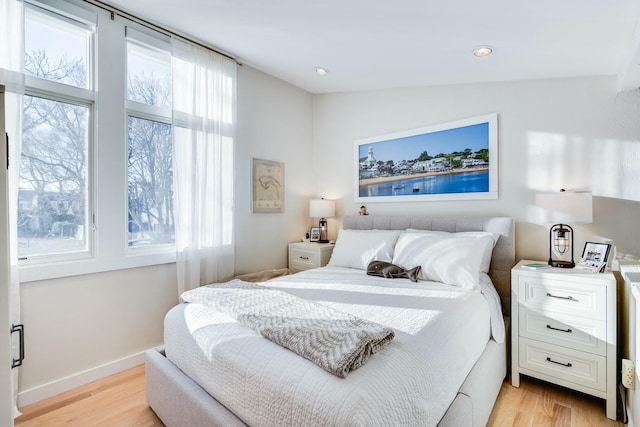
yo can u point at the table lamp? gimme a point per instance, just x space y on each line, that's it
323 209
560 209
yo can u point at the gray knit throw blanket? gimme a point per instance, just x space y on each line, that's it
337 342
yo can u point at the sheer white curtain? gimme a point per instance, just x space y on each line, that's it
203 163
12 76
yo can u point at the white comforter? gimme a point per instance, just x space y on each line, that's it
440 332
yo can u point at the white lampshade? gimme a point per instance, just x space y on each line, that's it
321 208
565 208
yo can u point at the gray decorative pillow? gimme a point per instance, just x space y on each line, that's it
392 271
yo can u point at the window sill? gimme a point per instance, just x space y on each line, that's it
35 272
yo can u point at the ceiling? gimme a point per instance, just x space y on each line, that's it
376 44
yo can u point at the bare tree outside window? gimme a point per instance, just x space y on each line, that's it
150 180
52 200
53 183
55 194
150 151
54 186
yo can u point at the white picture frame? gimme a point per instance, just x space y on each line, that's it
314 234
467 171
595 252
267 186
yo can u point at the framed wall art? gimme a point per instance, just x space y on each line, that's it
267 186
450 161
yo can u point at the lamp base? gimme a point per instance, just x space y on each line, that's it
562 264
323 241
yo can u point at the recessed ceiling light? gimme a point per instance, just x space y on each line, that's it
482 51
321 71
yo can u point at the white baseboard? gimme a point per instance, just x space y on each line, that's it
53 388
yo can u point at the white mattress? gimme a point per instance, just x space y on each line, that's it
440 331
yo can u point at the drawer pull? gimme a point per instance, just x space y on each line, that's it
559 329
305 257
568 365
570 298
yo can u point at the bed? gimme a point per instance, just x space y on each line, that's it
214 371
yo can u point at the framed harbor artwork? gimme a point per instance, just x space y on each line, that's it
267 186
450 161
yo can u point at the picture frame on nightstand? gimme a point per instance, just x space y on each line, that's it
315 234
594 257
598 252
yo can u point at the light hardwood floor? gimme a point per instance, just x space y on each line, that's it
115 401
537 403
119 401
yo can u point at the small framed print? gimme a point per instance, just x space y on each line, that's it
315 234
267 195
594 257
596 252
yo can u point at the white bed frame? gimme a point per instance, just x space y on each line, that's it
180 401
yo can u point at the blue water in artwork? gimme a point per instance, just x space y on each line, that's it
464 182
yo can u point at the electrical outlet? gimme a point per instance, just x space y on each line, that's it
628 374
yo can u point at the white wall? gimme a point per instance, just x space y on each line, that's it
80 328
562 133
275 122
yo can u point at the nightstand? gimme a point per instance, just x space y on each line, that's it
306 255
563 329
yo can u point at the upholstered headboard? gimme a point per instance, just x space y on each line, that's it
502 259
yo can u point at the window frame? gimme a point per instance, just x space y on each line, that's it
107 168
142 38
159 247
72 95
89 212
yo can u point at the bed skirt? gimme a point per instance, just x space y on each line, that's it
180 401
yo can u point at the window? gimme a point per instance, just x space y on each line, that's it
96 178
53 200
148 72
57 48
150 189
52 214
150 154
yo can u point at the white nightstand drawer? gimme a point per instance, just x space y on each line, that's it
304 258
569 331
586 369
573 298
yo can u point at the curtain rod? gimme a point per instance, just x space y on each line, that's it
126 15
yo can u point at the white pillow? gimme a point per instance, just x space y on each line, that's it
485 264
357 248
451 260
